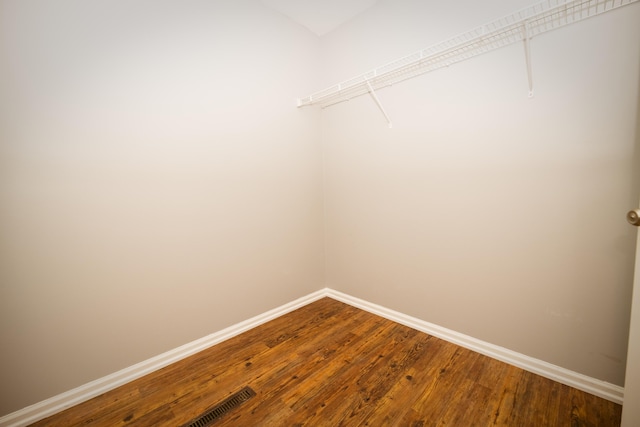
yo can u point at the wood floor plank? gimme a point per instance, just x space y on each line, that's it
376 384
311 399
397 403
446 387
330 364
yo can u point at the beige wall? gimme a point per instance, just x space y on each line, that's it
481 210
157 183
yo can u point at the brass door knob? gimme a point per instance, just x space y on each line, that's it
634 217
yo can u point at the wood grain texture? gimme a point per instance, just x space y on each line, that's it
330 364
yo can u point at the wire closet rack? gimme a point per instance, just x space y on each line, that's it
520 26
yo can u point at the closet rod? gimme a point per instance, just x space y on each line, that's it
516 27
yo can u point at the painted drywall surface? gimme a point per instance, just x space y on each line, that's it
157 183
483 211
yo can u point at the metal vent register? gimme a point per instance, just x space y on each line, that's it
222 408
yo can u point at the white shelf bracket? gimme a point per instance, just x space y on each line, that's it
375 98
527 54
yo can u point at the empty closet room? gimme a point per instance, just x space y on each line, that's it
159 183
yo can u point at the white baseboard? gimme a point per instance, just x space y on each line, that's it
582 382
90 390
58 403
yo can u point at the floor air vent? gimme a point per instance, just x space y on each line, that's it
222 408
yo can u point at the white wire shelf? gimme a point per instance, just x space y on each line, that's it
517 27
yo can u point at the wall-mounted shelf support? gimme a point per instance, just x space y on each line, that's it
519 26
375 98
527 54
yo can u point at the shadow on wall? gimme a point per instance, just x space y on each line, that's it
634 199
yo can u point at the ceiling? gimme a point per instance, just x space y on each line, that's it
320 16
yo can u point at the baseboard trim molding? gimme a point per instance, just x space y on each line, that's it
579 381
58 403
90 390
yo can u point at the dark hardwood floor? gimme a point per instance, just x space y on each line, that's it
330 364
